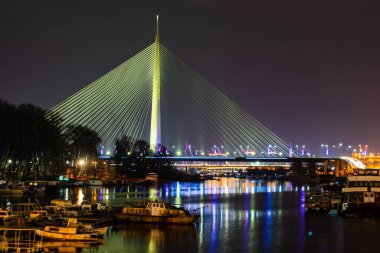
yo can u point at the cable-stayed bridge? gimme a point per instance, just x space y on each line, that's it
155 96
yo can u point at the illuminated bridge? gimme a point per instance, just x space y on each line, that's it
155 96
338 166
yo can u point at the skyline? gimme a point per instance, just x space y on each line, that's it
310 82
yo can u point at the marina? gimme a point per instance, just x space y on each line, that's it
223 206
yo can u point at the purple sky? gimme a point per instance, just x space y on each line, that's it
308 70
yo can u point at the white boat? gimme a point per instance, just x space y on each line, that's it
157 212
95 182
362 193
72 232
88 228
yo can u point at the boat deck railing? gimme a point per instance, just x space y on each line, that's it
18 239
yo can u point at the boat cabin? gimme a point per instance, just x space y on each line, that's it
151 176
61 203
6 215
37 213
156 208
88 206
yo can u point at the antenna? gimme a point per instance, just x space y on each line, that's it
157 16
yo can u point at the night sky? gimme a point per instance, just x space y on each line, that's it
308 70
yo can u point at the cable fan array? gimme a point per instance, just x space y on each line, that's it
195 116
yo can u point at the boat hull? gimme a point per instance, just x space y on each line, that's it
157 219
11 191
362 209
67 237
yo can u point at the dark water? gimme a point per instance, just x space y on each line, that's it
237 215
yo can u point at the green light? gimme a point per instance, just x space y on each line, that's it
155 128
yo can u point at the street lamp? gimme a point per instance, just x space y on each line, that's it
339 147
322 146
81 163
348 150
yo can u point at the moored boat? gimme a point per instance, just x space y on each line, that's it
72 231
361 196
156 212
12 188
95 182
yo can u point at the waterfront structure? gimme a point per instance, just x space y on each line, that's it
362 193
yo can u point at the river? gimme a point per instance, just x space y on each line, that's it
237 215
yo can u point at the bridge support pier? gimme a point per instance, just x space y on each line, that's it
325 167
297 168
349 169
311 168
343 165
337 168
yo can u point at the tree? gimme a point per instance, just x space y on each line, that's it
82 142
31 144
123 147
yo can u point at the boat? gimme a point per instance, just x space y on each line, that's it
35 214
12 188
36 186
71 232
95 182
92 208
317 202
156 212
152 177
361 195
7 217
89 228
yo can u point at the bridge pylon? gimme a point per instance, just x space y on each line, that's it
155 122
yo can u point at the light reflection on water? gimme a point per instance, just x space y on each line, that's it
237 215
229 209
